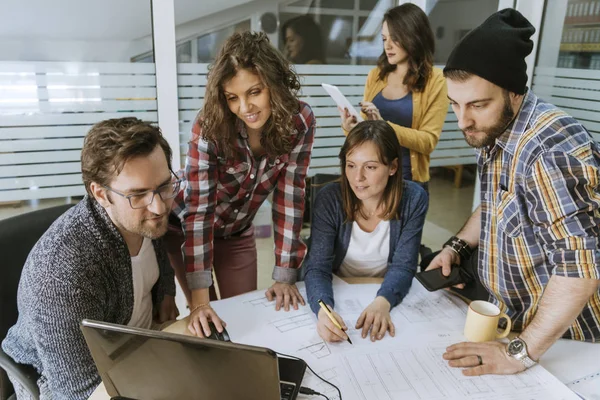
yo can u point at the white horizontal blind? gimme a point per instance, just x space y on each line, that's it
451 150
191 83
576 91
46 109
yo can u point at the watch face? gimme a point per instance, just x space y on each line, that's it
515 347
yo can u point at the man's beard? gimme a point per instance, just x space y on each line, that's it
155 232
494 131
143 228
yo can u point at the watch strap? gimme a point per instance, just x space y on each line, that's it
527 362
523 356
460 247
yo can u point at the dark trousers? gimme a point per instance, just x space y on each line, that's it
234 261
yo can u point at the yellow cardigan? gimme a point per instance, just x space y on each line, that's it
429 113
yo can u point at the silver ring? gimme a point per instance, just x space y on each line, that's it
480 360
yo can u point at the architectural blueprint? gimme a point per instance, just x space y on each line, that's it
407 366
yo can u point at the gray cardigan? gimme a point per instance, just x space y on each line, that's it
330 238
80 268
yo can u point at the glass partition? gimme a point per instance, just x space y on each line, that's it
451 20
61 72
567 71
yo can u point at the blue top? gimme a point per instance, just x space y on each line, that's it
399 112
330 238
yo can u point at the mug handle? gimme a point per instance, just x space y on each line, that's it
508 326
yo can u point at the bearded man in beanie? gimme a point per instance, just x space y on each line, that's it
538 223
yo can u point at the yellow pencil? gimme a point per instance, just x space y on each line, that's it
332 318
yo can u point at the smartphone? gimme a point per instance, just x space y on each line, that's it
434 280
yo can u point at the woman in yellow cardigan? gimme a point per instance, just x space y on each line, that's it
406 90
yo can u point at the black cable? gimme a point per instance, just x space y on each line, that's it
315 374
310 392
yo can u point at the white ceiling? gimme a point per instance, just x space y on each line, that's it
93 19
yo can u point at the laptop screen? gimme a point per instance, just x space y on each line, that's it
152 365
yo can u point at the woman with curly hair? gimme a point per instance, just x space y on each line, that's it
252 137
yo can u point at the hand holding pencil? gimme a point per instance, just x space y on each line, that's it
330 325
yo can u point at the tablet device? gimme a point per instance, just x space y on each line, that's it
341 100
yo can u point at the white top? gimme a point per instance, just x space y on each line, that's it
144 270
368 252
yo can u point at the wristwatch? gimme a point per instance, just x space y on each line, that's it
517 349
460 247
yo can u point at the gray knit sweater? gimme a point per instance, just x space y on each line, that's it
80 268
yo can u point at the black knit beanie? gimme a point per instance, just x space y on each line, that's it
496 50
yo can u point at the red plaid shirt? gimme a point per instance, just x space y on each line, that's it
220 197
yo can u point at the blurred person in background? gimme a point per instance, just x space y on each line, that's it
303 43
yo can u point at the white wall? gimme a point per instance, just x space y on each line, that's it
253 10
18 47
68 30
36 49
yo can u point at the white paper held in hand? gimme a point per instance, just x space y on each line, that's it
341 100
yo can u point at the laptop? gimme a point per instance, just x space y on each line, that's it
142 364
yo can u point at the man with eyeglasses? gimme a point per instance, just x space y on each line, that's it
103 259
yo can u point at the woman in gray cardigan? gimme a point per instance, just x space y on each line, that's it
368 224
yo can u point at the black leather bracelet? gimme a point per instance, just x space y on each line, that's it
460 247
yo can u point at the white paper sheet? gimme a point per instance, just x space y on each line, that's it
341 100
588 387
408 366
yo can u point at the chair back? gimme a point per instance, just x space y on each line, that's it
18 235
318 181
316 184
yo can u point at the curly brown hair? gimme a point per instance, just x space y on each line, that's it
251 51
111 143
409 27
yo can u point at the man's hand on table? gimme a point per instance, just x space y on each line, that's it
494 359
285 295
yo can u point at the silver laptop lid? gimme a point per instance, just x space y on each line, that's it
153 365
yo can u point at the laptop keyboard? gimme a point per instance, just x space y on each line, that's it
287 390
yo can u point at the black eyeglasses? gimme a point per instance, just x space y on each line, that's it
144 199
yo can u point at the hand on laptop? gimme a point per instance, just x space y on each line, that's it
199 319
376 318
285 294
